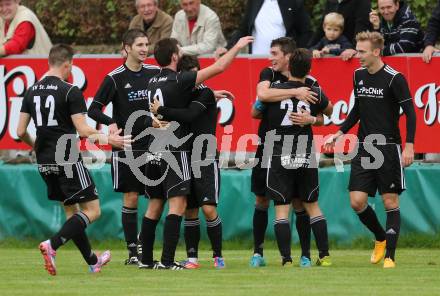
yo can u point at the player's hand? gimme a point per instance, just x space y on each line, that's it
374 19
113 128
121 142
316 54
160 123
325 50
219 52
154 107
221 94
302 118
408 155
305 94
348 54
329 144
428 52
244 41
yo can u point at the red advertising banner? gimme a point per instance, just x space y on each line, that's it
236 130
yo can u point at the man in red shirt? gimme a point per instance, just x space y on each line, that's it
21 31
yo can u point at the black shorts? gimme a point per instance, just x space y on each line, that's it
388 177
69 184
258 176
164 182
284 184
205 190
123 176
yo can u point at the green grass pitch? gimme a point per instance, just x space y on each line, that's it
417 273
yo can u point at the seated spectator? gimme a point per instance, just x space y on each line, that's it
355 13
267 20
197 28
20 31
333 42
432 34
399 27
156 23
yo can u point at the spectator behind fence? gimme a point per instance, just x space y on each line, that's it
432 34
399 27
197 28
267 20
20 31
355 13
334 42
156 23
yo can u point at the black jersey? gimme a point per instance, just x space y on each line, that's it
51 102
206 123
377 103
174 90
127 90
274 77
278 113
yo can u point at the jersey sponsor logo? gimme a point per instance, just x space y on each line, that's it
138 95
295 161
128 85
370 91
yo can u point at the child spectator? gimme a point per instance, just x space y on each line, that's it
333 42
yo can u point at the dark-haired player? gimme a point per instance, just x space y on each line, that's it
126 88
174 90
292 169
57 109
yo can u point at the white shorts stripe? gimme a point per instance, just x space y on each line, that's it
81 175
402 176
216 181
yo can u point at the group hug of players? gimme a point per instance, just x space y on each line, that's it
154 99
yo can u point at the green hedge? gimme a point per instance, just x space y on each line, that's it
104 21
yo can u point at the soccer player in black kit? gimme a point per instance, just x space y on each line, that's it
292 167
280 52
201 114
380 91
173 90
57 109
126 88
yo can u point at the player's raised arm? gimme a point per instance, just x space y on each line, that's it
223 63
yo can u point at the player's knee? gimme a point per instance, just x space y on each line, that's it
390 203
210 212
357 205
191 213
131 199
261 202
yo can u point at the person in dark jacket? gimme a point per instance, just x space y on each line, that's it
399 27
269 19
432 34
334 42
355 13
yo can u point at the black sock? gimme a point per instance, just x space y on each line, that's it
260 225
147 236
192 237
368 218
393 229
319 227
129 224
304 232
171 233
72 227
82 243
283 236
214 229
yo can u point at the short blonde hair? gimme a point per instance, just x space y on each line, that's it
375 38
334 19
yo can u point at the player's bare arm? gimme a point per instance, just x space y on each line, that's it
223 63
22 133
